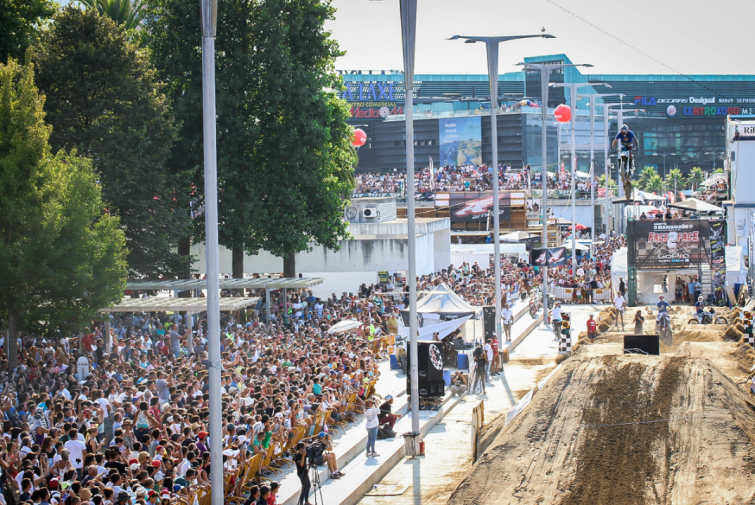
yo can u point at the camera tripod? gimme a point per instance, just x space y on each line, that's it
316 484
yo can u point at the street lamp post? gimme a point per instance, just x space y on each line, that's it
491 45
573 100
545 72
664 161
209 29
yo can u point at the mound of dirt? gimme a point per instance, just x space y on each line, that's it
623 430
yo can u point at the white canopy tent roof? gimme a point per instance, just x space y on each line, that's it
445 303
696 205
346 325
480 253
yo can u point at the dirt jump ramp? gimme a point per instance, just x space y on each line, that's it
623 430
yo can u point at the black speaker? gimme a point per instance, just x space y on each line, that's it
642 344
427 389
488 321
429 369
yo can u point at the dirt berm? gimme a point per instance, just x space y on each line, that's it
623 430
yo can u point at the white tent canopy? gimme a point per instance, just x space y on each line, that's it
348 324
443 303
695 204
426 330
577 245
469 253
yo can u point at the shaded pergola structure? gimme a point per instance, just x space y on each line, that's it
199 304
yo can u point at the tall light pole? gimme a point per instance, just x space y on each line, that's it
593 103
573 86
545 70
408 31
491 45
664 161
209 14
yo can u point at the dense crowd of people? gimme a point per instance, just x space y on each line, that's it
135 430
468 178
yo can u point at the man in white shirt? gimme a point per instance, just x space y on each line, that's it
618 303
489 352
507 315
76 449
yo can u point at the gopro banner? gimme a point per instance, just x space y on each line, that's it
669 244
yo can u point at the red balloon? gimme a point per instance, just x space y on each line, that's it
359 138
562 113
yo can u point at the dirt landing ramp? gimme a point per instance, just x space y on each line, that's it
623 430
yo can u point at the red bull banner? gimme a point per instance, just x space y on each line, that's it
475 206
551 257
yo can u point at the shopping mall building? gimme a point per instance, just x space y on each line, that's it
678 119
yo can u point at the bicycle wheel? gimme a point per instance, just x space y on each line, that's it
721 320
693 321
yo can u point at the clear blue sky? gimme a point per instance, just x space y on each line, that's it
692 36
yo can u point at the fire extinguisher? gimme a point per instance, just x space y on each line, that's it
422 448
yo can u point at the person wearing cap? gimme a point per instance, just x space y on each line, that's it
386 416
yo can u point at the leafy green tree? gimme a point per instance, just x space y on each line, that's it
303 148
124 12
695 178
284 155
611 182
20 21
104 100
62 256
675 179
647 173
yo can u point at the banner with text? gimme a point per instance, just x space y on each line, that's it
717 256
474 207
461 141
670 244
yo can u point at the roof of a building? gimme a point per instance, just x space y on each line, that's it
167 304
248 283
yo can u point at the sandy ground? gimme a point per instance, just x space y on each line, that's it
615 429
623 430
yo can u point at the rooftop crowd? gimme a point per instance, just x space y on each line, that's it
135 431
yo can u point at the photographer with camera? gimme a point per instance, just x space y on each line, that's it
302 471
321 452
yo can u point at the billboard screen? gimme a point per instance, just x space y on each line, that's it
474 206
461 141
670 244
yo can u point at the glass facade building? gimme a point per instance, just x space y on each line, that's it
677 119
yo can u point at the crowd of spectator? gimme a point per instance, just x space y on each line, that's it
135 430
468 178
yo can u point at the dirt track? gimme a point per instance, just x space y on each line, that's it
623 430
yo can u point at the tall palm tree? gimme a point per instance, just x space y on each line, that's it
125 12
695 178
654 184
646 174
674 179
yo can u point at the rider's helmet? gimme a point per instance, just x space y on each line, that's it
558 304
624 128
661 297
699 298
